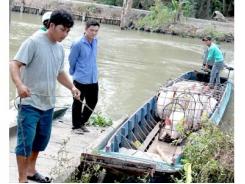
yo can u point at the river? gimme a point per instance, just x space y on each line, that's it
132 64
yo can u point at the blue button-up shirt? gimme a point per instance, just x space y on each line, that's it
82 60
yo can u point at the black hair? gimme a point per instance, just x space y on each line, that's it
61 17
207 38
92 23
46 24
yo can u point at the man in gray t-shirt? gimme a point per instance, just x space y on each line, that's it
37 65
41 68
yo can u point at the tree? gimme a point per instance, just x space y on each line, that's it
202 9
127 5
205 8
177 9
143 4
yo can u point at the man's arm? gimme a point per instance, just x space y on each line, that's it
65 81
204 57
14 67
74 53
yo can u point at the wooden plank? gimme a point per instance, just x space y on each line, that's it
116 163
167 151
149 138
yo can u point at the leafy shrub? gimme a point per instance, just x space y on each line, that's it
211 155
99 120
159 15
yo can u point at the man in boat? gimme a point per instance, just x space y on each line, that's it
37 65
45 21
83 68
214 53
207 65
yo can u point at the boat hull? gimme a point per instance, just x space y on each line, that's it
130 141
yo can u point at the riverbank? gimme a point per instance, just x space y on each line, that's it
195 28
187 27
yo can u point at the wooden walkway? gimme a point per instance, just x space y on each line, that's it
63 152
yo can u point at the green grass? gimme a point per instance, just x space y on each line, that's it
100 120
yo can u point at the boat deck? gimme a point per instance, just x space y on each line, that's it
168 152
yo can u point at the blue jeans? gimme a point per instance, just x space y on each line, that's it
214 76
33 130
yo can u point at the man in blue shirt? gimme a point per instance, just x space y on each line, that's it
215 54
83 68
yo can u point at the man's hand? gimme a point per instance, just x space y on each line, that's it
75 93
65 81
23 91
14 67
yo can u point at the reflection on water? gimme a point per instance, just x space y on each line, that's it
132 65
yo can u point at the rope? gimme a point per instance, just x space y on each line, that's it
62 96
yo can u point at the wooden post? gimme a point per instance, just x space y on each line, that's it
84 16
23 3
10 9
127 5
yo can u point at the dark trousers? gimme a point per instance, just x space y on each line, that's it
89 92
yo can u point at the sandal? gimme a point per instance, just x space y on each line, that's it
37 177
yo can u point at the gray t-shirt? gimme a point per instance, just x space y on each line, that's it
43 60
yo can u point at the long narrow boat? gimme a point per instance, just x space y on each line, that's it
144 142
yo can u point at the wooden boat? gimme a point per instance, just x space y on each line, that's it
59 112
138 145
